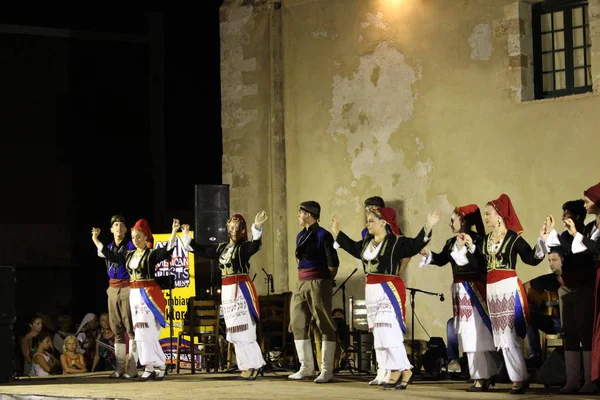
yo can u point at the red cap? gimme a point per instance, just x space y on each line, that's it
504 208
143 226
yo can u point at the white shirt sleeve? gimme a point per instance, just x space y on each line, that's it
256 232
100 246
426 260
186 239
577 246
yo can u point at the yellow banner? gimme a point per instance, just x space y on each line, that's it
181 267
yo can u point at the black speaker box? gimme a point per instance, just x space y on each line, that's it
211 214
7 351
8 282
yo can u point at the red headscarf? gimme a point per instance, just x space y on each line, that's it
472 216
389 216
143 226
593 193
504 208
238 217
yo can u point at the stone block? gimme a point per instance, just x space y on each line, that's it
517 61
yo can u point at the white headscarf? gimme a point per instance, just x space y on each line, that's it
88 317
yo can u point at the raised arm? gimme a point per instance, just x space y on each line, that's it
353 248
164 253
252 246
531 256
103 251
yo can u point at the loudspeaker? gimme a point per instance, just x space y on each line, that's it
211 212
8 283
7 349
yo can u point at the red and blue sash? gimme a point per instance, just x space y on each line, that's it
153 297
395 289
477 294
246 286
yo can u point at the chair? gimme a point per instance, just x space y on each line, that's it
202 322
550 342
274 324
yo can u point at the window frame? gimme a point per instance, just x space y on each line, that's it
566 6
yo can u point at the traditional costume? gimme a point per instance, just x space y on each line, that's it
239 299
576 300
312 297
471 316
119 309
506 298
588 242
385 292
146 298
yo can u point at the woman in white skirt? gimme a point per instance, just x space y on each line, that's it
239 299
471 317
381 252
146 299
506 297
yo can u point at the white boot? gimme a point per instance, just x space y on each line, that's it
133 360
379 378
386 378
328 356
573 370
305 356
120 354
588 386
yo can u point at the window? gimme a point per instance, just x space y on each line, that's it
562 48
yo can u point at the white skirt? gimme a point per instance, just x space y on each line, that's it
473 334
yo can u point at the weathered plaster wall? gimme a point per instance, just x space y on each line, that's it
421 102
252 122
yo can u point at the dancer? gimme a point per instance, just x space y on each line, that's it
381 252
587 242
119 314
506 298
146 298
239 299
317 267
577 277
373 203
471 317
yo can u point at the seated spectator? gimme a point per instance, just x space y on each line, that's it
86 335
65 324
43 362
104 359
29 343
71 359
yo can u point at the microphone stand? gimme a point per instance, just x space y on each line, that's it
269 282
343 287
413 291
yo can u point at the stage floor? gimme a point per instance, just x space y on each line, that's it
226 386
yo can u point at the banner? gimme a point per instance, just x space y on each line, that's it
181 267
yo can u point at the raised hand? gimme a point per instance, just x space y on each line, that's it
547 227
185 229
176 225
260 218
468 240
433 218
570 225
95 233
335 226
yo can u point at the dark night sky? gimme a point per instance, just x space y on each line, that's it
96 126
